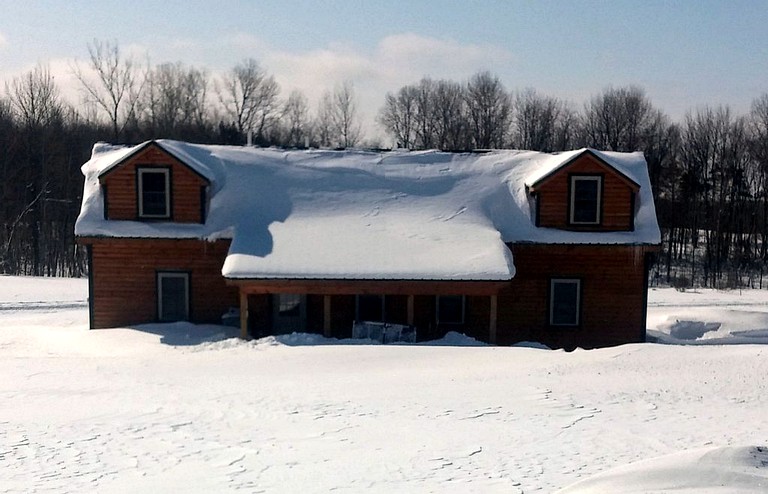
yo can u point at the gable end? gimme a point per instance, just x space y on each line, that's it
575 159
143 147
585 194
151 184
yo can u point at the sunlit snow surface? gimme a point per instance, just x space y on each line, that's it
182 408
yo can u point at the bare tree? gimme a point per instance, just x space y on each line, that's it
541 123
758 142
716 186
249 97
490 111
345 119
296 119
758 121
323 123
35 101
174 99
398 116
118 85
618 119
424 123
195 102
449 112
430 114
35 98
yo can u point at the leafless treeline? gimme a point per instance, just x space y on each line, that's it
710 171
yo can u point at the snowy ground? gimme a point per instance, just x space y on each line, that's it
178 408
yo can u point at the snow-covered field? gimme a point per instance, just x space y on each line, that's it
179 408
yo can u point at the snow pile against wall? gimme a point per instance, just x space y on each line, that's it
353 214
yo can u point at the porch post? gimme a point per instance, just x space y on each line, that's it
244 315
410 310
492 324
327 316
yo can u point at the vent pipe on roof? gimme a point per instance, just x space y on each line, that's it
249 138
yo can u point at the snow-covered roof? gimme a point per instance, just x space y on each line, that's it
114 155
321 214
551 165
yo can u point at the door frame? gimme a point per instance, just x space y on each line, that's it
186 276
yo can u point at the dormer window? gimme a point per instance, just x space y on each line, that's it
585 199
154 195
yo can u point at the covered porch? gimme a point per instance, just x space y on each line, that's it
330 306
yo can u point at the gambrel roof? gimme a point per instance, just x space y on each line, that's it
321 214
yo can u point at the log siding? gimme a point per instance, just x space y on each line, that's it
612 305
186 188
123 273
612 301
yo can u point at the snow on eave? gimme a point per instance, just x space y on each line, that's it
552 167
498 279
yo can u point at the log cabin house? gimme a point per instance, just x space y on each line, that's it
504 246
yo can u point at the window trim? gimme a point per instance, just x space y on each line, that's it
383 306
463 310
551 301
140 171
572 179
187 276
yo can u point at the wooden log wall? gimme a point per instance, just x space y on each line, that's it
612 303
124 279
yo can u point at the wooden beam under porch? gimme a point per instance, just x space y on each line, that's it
368 287
244 334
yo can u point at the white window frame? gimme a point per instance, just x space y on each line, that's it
140 198
598 211
463 309
570 281
171 274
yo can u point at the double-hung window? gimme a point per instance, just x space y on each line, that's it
586 193
565 302
154 194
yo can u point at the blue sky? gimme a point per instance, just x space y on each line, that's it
684 53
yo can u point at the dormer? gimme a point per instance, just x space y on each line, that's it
585 193
151 184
